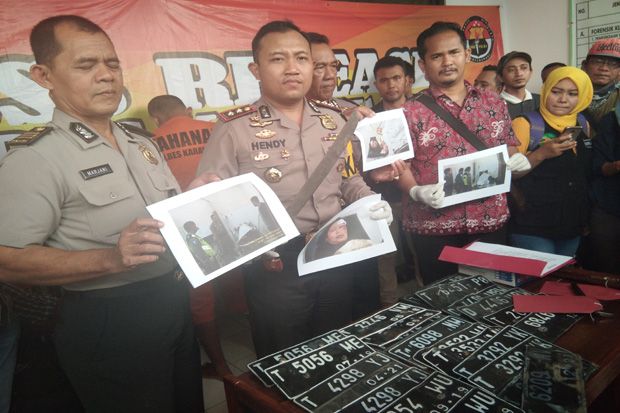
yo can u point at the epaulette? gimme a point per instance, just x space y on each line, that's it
231 114
330 104
28 138
128 127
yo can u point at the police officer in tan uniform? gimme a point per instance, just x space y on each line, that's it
366 291
282 138
73 195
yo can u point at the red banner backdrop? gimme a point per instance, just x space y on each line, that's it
199 50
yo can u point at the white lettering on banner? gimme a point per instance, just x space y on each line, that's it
198 79
246 86
363 74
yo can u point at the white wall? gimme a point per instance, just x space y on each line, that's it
538 27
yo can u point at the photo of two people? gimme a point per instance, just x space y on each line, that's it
473 176
219 226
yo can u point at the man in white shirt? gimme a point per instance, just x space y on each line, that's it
515 70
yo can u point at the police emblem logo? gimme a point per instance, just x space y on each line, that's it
265 134
264 112
328 122
83 132
257 122
147 154
273 175
285 154
480 38
261 156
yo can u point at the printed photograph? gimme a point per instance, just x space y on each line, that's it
473 176
384 138
350 236
219 226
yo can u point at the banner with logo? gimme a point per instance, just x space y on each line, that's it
199 50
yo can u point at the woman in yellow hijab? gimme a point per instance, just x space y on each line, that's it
550 208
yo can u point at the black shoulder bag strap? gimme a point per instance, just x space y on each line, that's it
456 124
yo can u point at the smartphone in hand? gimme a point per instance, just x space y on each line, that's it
572 131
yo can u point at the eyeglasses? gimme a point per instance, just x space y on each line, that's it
600 62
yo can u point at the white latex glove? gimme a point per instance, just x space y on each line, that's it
381 210
431 195
518 163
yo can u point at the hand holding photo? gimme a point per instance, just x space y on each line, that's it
384 138
217 227
475 175
355 234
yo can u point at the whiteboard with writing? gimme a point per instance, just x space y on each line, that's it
592 20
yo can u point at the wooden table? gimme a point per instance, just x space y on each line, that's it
598 342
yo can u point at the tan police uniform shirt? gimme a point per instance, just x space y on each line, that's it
284 156
71 190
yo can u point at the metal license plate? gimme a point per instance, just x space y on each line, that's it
547 326
380 320
304 372
440 296
409 378
503 341
388 392
486 306
499 373
504 317
401 328
428 336
513 392
480 401
258 367
553 381
361 376
437 393
448 358
459 337
489 291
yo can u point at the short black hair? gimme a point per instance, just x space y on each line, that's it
276 26
316 38
437 28
164 104
409 69
43 42
553 64
490 68
389 61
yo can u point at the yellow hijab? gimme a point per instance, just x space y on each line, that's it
584 86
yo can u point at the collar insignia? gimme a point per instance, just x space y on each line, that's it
83 132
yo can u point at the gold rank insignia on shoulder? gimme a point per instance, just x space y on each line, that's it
28 137
265 134
257 122
236 113
83 132
330 104
273 175
328 122
148 155
313 106
330 137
